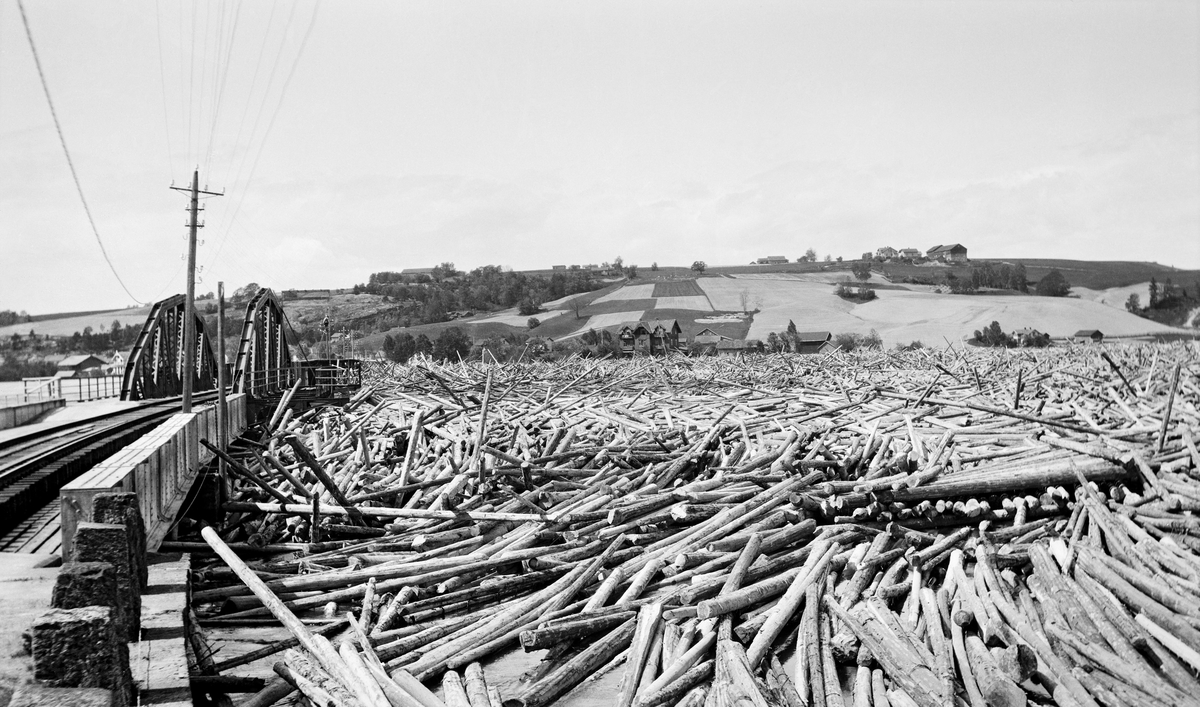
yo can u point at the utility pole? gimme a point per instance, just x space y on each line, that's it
189 317
222 412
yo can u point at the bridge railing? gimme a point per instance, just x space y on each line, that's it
52 387
324 377
333 373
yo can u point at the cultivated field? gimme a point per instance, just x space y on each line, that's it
69 325
627 292
900 314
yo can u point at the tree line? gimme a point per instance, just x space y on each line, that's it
998 276
9 317
433 298
454 344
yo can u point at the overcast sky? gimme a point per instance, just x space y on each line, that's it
353 137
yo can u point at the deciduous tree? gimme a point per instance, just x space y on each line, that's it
451 345
1053 285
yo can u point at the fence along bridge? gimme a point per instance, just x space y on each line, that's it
115 451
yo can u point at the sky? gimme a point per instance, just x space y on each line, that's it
353 137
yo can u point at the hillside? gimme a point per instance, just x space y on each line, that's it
1103 274
900 316
798 292
68 323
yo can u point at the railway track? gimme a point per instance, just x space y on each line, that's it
33 468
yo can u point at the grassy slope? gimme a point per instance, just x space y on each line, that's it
1102 274
901 316
68 324
1096 275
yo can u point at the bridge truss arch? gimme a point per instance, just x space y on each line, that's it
264 364
155 365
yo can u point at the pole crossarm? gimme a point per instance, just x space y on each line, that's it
189 360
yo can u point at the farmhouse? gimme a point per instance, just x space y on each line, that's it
81 366
910 253
539 344
813 342
654 336
772 260
1095 335
885 252
116 365
708 336
1028 336
411 274
561 267
955 252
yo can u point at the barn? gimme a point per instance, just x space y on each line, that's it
953 253
81 366
813 342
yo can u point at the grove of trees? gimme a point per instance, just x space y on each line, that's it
1053 284
999 276
9 317
1168 303
429 299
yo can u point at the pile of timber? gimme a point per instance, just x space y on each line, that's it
877 528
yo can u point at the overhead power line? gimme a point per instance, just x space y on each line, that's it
62 141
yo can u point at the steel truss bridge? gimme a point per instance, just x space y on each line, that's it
35 466
263 368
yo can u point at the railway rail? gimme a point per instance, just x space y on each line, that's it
34 467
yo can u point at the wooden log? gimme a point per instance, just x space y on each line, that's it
311 691
542 638
812 572
328 659
453 690
647 626
571 673
994 685
733 678
476 685
380 512
319 471
274 691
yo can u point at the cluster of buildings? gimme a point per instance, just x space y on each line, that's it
950 253
659 336
80 365
604 270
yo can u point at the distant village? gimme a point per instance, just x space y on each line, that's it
952 253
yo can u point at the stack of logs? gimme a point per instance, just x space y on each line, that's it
903 528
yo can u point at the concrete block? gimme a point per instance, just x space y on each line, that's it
122 509
42 696
107 542
81 584
80 648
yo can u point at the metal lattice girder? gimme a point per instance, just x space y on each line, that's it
155 365
264 362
